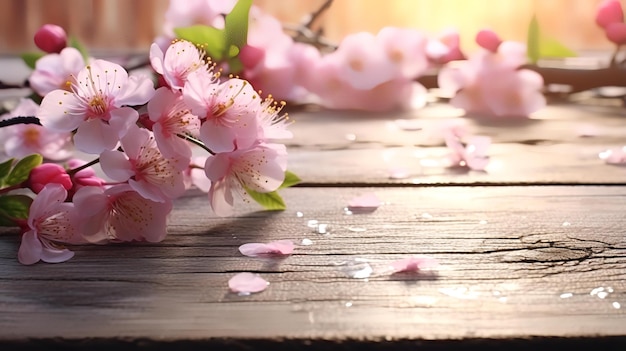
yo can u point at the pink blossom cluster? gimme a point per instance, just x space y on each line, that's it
492 83
366 71
144 140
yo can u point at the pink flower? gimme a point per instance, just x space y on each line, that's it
144 167
51 38
616 33
120 214
406 49
54 71
608 12
48 173
172 119
261 169
280 248
180 59
492 85
616 156
365 202
363 61
50 223
84 177
228 111
272 125
194 175
445 47
25 139
97 107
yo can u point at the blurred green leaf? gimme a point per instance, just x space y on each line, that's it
30 58
533 40
5 168
22 169
291 179
236 24
540 46
270 201
212 40
14 207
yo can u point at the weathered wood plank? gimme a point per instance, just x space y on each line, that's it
516 262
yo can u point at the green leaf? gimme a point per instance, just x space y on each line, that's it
270 201
236 24
5 168
550 47
291 179
30 58
22 169
212 40
12 208
76 44
532 43
540 46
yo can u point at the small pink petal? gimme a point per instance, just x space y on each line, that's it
366 201
247 283
413 264
614 156
280 247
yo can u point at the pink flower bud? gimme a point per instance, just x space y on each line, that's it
48 173
616 32
51 38
250 56
488 39
609 11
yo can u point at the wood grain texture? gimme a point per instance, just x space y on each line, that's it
515 262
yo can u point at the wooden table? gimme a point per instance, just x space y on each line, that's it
531 252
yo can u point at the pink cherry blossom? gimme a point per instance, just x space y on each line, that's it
445 47
120 214
246 283
413 264
227 110
608 12
172 118
272 125
363 62
54 71
261 168
280 247
334 92
84 177
195 176
492 85
180 59
48 173
21 140
405 49
144 167
97 107
51 38
50 223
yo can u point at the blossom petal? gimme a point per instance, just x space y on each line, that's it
116 166
51 255
247 283
365 201
59 111
280 247
94 136
221 198
413 264
30 249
